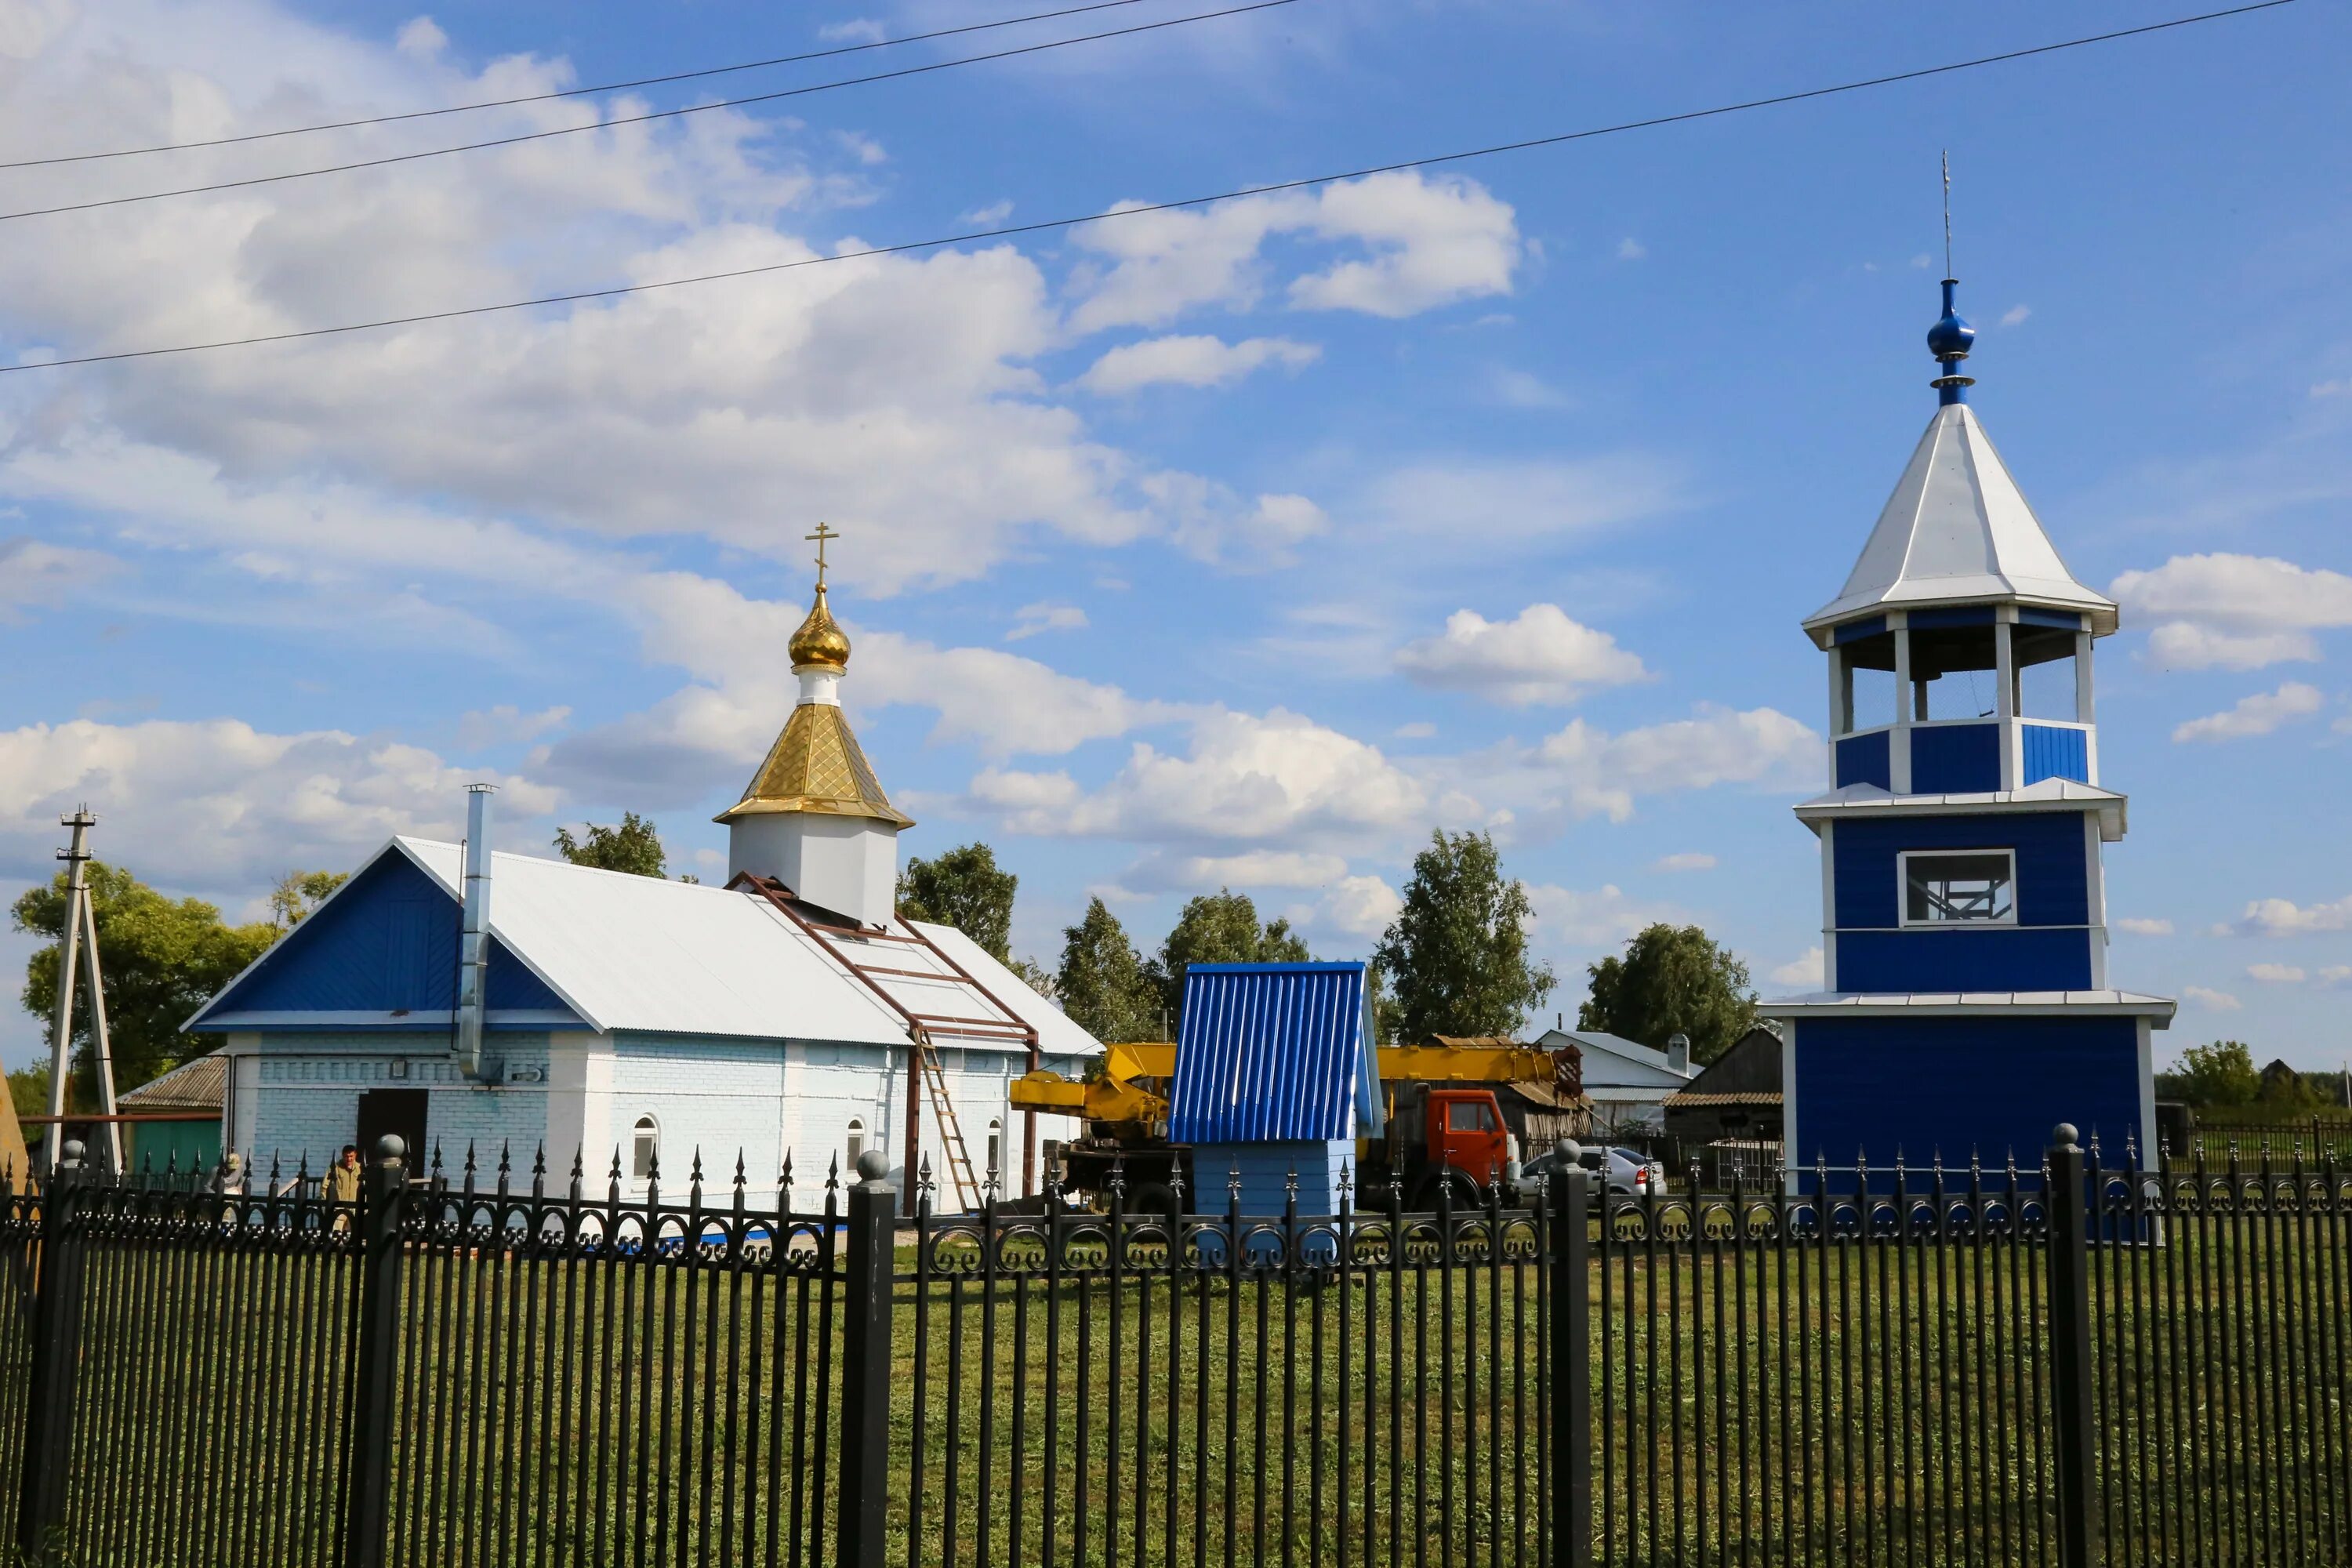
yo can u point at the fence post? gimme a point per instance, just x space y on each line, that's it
57 1354
865 1364
1571 1365
2070 1343
367 1482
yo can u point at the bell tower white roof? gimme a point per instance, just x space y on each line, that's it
1958 530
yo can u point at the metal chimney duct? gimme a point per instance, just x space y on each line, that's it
474 943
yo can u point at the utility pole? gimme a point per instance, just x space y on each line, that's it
80 926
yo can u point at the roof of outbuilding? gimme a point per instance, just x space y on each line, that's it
1649 1067
1274 1051
196 1085
649 955
1958 530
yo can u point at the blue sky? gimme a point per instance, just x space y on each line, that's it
1240 546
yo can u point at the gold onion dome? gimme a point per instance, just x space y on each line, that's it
820 641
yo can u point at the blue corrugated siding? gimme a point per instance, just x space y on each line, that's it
1854 631
2053 871
1268 1051
1955 1086
388 941
1956 759
2051 752
2011 959
1863 759
1266 1171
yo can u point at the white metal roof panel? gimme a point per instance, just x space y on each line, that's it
1958 530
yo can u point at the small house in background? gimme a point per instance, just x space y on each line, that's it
1275 1077
1735 1099
1627 1083
173 1122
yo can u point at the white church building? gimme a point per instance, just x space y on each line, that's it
459 997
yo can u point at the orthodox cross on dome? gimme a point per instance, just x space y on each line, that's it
824 532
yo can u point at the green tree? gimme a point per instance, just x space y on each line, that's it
2288 1092
299 892
1218 928
28 1090
1672 980
963 888
161 960
1455 961
633 846
1101 984
2220 1074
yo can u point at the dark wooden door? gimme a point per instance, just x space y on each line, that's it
399 1111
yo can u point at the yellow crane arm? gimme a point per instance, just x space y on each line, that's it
1132 1085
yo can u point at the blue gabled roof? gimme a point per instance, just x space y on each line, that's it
382 953
1275 1051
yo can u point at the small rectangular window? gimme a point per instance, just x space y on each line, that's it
1968 887
1468 1116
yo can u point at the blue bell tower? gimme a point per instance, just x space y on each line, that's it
1966 1006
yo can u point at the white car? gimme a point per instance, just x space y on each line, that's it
1624 1172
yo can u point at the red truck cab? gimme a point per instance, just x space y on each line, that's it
1464 1132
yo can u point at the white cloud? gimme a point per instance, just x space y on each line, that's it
1569 918
2234 612
991 216
1191 361
1541 656
1209 522
420 39
1432 242
218 805
2283 916
2145 927
2015 315
1030 619
1807 972
2256 715
34 572
1687 860
1521 389
1359 906
1246 778
855 31
1250 868
2277 973
2208 999
1604 774
506 724
2335 974
2184 645
2340 387
1419 730
1630 249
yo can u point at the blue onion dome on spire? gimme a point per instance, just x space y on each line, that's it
1949 340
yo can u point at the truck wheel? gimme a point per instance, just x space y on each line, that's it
1156 1199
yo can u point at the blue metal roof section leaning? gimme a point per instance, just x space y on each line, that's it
1274 1052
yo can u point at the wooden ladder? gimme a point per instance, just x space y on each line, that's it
922 1028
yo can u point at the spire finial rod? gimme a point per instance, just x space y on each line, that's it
1948 212
825 532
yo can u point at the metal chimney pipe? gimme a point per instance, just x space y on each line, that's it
474 943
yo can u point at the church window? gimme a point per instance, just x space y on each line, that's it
1952 673
1970 886
1866 683
2043 658
857 1143
645 1148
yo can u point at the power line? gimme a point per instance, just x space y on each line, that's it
566 92
642 119
1010 230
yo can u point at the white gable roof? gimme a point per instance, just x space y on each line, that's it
1958 530
642 953
1612 1061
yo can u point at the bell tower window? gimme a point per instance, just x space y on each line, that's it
1968 887
1865 684
1954 673
2047 684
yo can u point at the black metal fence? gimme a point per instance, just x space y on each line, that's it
1977 1370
